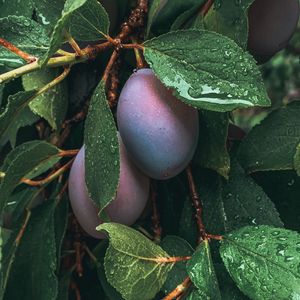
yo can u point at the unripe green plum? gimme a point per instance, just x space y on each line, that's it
271 25
131 199
159 131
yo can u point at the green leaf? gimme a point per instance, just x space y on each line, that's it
129 263
202 273
167 13
21 161
188 18
212 152
230 19
102 158
155 7
79 12
283 187
16 214
48 12
228 288
237 203
271 144
52 104
264 261
33 271
15 115
245 203
60 226
176 246
90 22
297 160
1 93
206 70
25 34
16 7
64 285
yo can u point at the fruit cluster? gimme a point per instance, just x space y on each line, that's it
158 133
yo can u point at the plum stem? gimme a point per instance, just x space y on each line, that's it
206 7
74 45
74 287
110 64
197 203
9 46
49 178
179 290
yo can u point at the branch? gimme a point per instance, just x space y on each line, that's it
29 58
179 290
197 204
206 7
50 177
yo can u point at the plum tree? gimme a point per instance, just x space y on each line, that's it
271 25
131 199
159 131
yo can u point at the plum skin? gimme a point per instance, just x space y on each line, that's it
271 25
126 208
159 131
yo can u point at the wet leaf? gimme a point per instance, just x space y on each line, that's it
237 203
155 7
79 12
206 70
202 273
25 34
271 145
230 19
212 151
48 12
16 7
166 13
102 158
264 261
35 259
187 19
21 161
52 104
297 160
15 115
283 187
176 246
90 22
130 256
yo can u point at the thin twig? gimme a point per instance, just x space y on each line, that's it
27 57
197 205
206 7
49 178
179 290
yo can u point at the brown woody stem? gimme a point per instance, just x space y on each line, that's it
179 290
50 177
29 58
197 205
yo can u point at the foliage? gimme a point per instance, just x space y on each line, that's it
248 187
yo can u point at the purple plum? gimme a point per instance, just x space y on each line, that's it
159 131
131 199
271 25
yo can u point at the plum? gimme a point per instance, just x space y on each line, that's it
131 199
159 131
271 25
